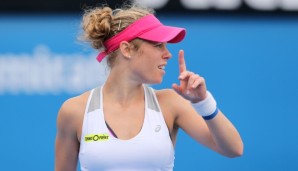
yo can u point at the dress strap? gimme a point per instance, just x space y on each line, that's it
95 100
151 99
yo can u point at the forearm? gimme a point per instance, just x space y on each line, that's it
225 136
226 139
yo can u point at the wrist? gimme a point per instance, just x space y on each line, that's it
207 108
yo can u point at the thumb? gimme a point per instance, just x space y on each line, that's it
176 88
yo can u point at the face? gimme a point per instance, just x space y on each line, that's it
149 62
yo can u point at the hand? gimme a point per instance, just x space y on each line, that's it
192 86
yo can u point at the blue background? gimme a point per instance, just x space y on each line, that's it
250 65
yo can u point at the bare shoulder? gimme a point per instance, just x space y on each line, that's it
166 95
168 98
74 105
71 113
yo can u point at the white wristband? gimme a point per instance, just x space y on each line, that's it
207 106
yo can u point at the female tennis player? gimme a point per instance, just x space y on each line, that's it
125 124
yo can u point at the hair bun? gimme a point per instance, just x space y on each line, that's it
97 25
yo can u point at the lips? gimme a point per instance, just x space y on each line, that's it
163 66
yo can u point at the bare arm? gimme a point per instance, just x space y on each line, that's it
218 133
67 144
225 135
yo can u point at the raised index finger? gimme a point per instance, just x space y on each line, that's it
182 65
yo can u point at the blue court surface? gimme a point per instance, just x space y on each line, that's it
250 65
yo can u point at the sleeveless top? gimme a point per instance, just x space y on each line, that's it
150 150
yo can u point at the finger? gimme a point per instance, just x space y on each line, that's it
192 78
182 65
177 88
199 81
185 75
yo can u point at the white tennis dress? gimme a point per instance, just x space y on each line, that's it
150 150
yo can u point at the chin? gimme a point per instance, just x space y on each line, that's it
157 81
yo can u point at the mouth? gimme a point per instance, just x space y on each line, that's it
162 67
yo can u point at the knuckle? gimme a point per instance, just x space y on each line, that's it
190 73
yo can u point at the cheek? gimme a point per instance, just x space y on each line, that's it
148 72
145 68
145 62
145 65
141 68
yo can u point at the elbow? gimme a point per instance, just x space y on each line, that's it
235 152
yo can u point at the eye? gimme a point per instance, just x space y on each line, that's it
159 45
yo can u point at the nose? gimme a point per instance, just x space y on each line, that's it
167 54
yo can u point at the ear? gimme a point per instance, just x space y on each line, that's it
124 47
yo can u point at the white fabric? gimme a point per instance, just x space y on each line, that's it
207 106
150 150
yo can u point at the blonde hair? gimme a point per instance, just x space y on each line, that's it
102 23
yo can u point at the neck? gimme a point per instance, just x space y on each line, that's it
120 90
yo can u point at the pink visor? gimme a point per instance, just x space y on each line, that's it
147 28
